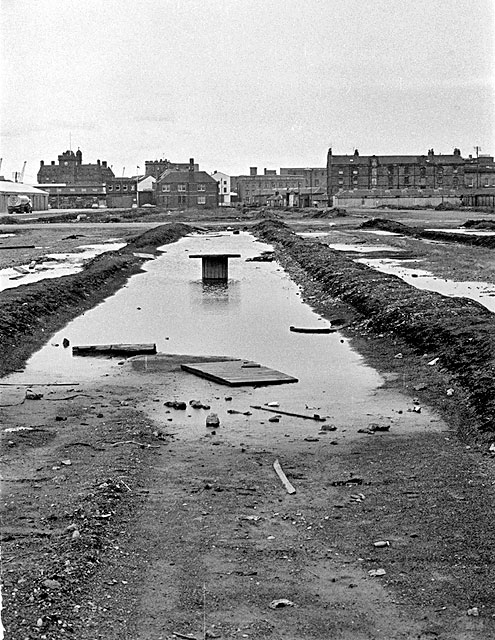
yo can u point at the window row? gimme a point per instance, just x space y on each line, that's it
116 187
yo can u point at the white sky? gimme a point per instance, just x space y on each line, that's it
240 83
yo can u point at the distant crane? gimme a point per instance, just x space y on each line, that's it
19 175
123 171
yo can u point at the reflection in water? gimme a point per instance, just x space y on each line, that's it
216 295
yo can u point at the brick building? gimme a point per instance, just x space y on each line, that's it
431 171
72 184
260 189
179 189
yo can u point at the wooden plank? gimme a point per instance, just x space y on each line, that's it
310 330
237 373
113 349
18 246
215 255
283 477
315 416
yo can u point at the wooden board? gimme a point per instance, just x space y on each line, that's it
113 349
238 373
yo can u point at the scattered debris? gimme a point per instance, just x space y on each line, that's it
197 404
265 256
376 572
273 404
328 427
212 421
474 611
373 427
381 543
398 356
433 362
274 419
32 395
450 392
283 477
242 413
347 483
65 343
311 439
176 404
282 602
491 449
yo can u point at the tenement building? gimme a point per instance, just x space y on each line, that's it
431 171
406 180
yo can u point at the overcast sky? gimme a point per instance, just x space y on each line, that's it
235 83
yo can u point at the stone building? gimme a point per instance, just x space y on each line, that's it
179 189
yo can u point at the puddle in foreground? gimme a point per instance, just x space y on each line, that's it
247 318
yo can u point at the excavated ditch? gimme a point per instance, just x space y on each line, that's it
457 331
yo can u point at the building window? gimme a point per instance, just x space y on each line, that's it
117 187
110 188
201 187
341 173
422 172
225 189
201 199
406 181
124 187
455 182
182 199
181 187
166 188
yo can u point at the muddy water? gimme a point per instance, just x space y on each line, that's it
248 318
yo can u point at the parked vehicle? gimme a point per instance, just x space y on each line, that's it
19 204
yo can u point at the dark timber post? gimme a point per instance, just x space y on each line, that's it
215 267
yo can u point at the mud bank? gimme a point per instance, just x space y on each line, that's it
488 242
456 333
31 313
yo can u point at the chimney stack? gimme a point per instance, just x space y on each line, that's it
191 165
253 171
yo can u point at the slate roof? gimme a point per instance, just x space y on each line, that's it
436 159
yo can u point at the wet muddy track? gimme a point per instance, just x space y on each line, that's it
457 331
29 314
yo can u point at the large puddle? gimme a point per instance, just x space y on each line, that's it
247 318
53 265
482 292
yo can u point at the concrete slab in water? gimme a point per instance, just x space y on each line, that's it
238 373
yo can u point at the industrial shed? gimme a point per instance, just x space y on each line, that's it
38 198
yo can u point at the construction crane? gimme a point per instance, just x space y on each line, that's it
19 175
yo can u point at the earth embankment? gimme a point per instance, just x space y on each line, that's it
393 226
30 313
457 333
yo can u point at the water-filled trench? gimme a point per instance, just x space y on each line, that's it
248 318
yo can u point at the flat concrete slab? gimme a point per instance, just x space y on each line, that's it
238 373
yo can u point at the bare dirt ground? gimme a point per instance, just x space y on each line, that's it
120 522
